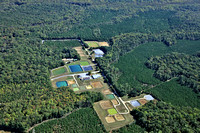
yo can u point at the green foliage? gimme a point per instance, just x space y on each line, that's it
83 120
62 44
163 117
177 65
132 128
59 71
134 73
26 95
174 93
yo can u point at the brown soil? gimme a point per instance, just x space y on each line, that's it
119 117
114 102
96 84
106 91
105 104
142 101
103 44
79 51
110 119
70 82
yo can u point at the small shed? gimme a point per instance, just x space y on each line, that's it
98 53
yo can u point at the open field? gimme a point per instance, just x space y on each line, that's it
119 117
59 71
112 111
106 104
110 119
106 91
103 44
93 44
84 63
96 84
114 101
132 65
80 52
174 93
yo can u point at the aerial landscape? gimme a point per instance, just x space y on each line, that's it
101 66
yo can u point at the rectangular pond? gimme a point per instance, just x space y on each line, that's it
75 68
87 68
135 103
110 96
61 84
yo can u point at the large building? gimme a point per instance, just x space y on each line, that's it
98 53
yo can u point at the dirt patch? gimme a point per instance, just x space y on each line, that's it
79 51
110 119
103 44
106 91
142 101
96 84
70 82
105 104
114 102
119 117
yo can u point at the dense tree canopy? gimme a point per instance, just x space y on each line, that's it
167 118
184 66
26 94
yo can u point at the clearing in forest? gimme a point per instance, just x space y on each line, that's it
103 44
93 44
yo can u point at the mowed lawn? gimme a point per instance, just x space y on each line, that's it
174 93
92 43
132 65
112 111
59 71
84 63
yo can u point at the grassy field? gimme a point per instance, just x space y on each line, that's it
132 65
112 111
92 43
174 93
62 44
59 71
83 120
133 128
84 63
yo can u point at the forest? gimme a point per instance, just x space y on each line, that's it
164 117
184 66
26 94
